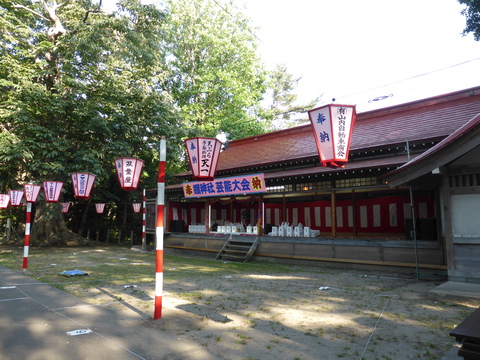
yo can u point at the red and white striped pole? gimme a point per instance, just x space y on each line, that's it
144 220
26 244
31 193
159 230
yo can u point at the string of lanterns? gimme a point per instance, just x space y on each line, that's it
128 172
100 207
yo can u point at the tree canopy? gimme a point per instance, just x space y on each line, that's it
214 74
472 15
81 87
284 111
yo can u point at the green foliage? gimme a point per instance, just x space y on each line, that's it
89 96
284 112
472 15
80 87
110 85
214 74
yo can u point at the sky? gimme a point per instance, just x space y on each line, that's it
369 53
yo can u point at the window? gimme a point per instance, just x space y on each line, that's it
356 182
314 186
464 180
279 188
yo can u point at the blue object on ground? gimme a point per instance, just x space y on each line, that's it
73 273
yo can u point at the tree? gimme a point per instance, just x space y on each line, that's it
79 88
472 14
215 76
283 111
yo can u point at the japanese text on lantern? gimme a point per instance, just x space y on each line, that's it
322 135
193 157
14 197
129 168
82 184
332 128
28 192
206 153
227 186
51 192
341 136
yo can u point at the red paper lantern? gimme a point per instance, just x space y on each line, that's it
15 197
203 154
137 207
65 207
4 200
128 171
99 208
31 192
52 190
82 184
332 126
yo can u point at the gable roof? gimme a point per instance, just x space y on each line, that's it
428 119
453 146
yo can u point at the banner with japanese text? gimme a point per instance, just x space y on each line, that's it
225 186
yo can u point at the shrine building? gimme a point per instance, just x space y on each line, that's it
399 200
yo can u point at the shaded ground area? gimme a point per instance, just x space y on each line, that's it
260 310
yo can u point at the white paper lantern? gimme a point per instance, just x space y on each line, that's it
332 126
203 154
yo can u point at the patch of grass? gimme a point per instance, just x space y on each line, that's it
243 339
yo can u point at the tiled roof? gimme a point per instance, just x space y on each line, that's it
440 154
433 118
392 161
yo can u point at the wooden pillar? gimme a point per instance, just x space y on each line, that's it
261 216
447 218
333 205
284 208
207 216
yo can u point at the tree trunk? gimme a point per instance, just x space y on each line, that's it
50 229
84 221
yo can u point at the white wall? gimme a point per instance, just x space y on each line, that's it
466 215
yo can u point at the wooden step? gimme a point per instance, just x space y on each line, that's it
238 249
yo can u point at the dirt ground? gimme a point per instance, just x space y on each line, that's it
276 312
